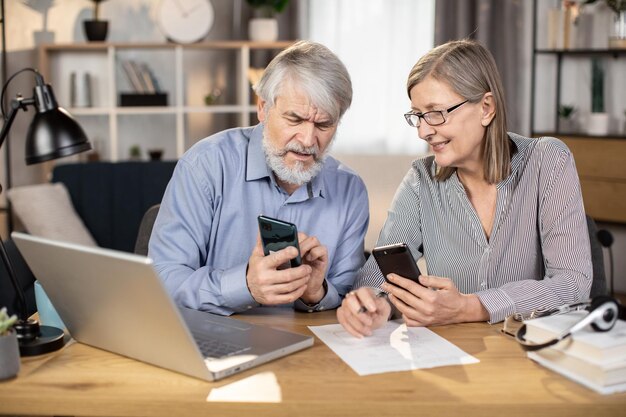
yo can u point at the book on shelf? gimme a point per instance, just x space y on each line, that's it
133 76
140 77
591 358
146 78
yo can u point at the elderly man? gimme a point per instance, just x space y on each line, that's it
205 242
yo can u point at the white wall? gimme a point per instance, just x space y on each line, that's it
382 175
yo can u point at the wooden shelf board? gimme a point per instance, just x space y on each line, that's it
94 46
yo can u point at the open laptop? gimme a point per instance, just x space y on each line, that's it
115 301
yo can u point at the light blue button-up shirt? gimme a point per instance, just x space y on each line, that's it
207 224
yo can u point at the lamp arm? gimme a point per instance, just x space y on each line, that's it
16 104
38 79
23 310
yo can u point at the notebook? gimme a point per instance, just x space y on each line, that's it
115 301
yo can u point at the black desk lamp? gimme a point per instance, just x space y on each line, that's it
52 134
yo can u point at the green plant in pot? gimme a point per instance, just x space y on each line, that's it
134 153
9 349
567 123
264 26
598 123
96 30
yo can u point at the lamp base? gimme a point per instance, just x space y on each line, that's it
34 339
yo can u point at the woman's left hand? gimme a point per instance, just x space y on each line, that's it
421 306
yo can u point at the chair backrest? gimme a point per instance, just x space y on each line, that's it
598 286
145 230
112 197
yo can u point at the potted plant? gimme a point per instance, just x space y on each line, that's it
134 153
9 348
264 26
598 123
96 29
567 124
155 154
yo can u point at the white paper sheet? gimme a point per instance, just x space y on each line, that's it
393 347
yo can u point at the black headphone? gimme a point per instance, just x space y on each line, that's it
603 314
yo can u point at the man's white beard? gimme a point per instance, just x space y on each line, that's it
298 174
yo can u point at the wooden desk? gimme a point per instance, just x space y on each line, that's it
80 380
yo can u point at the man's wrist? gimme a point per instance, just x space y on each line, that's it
319 296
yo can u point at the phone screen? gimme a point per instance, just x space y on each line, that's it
396 259
278 234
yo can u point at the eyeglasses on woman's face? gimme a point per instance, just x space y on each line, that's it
433 118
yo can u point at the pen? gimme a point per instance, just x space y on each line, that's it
363 309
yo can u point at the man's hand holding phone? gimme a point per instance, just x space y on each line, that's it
270 285
286 265
315 255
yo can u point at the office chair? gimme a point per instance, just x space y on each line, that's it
145 230
598 286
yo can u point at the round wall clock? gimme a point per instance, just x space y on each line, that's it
185 21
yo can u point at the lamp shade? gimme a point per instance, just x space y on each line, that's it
54 134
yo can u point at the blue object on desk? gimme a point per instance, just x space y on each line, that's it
48 315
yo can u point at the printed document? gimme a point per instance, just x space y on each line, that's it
393 347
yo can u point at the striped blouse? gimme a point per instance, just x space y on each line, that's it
538 255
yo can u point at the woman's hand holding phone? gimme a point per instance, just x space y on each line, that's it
421 306
363 311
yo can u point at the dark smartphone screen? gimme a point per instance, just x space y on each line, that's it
278 234
396 259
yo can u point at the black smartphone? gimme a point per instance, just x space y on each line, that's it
397 259
278 234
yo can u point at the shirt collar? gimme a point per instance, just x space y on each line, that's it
257 168
519 150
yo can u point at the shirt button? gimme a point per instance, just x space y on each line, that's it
483 285
310 310
249 307
321 308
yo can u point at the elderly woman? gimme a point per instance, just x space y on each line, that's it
498 217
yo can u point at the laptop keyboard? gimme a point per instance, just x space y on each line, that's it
214 348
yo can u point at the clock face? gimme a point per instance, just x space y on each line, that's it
185 21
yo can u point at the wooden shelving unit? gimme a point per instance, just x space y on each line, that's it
600 160
103 60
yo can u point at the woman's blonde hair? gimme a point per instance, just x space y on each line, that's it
470 70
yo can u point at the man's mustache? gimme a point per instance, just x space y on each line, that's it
296 147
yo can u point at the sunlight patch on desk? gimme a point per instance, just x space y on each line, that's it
259 388
399 340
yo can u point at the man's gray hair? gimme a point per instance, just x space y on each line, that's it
313 68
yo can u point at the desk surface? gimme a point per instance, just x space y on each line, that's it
81 380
